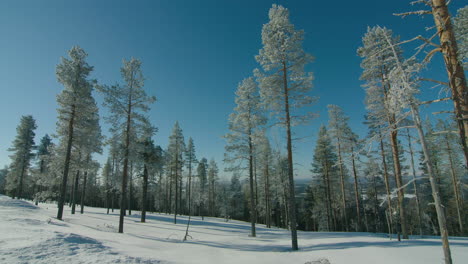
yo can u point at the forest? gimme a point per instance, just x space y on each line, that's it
408 176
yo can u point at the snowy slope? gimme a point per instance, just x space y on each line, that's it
30 234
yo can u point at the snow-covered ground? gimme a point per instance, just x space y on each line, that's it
30 234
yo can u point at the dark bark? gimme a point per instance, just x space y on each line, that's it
145 194
356 193
292 191
455 72
63 188
83 191
75 191
253 208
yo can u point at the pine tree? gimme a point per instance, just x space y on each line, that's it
404 82
338 128
126 104
22 148
175 150
448 46
43 156
74 102
284 85
243 123
323 166
378 60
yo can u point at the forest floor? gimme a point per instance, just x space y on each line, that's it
31 234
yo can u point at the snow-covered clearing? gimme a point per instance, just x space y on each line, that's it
30 234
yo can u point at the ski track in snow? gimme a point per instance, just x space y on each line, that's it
31 234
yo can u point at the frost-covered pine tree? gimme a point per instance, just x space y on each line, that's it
126 104
323 166
22 153
43 157
246 119
449 48
74 102
403 79
338 128
377 62
284 85
176 150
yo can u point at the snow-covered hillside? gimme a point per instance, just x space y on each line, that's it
30 234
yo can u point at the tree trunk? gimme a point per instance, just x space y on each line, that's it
145 193
130 187
176 185
326 182
435 188
253 208
454 184
455 72
399 181
63 188
83 191
75 191
267 196
376 204
343 194
387 184
292 191
356 193
415 186
125 166
189 196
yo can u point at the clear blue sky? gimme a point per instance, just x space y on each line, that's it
194 54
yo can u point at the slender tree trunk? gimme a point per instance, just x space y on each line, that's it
399 181
253 207
189 197
343 194
176 184
75 191
292 192
455 72
83 191
123 196
415 186
256 187
63 188
130 187
435 188
387 184
454 184
267 196
113 200
145 193
326 182
376 204
356 193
